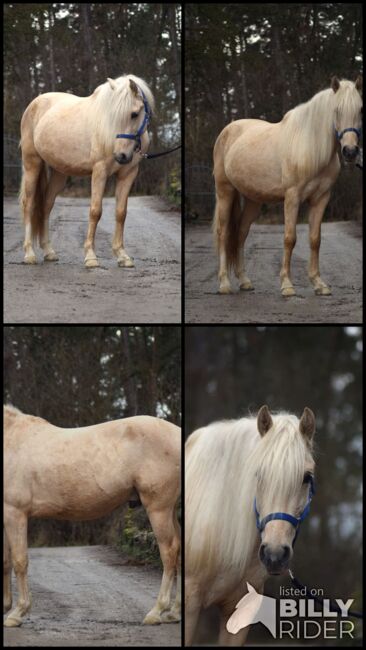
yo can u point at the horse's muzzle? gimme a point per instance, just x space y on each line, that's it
122 158
350 153
276 560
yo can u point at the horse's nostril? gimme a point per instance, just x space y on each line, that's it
286 552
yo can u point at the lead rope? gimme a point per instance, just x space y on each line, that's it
336 608
157 155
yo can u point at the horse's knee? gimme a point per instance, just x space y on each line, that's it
290 241
121 216
314 242
95 214
20 564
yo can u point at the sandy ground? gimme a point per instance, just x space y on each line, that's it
340 264
67 292
88 596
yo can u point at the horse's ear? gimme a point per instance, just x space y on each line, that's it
358 83
264 420
307 423
334 84
134 87
112 83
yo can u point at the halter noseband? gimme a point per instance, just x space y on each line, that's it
145 122
295 521
340 134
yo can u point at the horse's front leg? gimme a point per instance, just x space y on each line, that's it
16 523
99 179
169 546
123 187
7 574
316 212
192 609
228 640
291 208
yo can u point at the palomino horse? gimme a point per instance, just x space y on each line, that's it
100 135
84 474
294 160
241 475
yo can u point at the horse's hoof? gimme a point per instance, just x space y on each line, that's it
323 291
152 619
12 622
126 263
30 259
91 264
170 617
225 289
246 286
288 291
51 257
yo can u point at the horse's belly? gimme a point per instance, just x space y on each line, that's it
256 178
66 150
89 505
65 162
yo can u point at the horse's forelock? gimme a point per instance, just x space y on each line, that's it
113 105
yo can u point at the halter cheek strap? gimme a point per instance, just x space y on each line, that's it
145 122
340 134
284 516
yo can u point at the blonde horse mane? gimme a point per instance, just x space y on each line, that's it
112 108
224 462
307 139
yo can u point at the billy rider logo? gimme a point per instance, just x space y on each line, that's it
311 623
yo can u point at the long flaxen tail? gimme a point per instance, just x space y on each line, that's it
230 231
37 213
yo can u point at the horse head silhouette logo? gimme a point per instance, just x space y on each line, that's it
253 608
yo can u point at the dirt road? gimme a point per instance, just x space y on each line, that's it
340 263
88 596
67 292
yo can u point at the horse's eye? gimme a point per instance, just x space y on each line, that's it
307 477
134 115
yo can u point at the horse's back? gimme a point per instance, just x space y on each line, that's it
43 103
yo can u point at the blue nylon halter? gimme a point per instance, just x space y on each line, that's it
339 135
295 521
145 122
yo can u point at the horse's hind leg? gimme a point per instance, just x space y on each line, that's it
225 194
291 207
56 184
16 523
28 195
249 214
169 545
7 574
315 218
